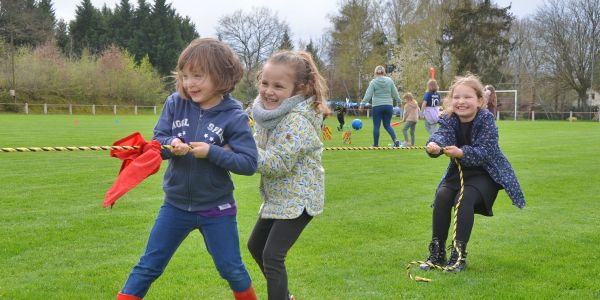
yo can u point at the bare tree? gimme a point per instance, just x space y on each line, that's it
570 39
527 62
254 37
419 24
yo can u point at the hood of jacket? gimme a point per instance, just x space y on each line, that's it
305 108
382 82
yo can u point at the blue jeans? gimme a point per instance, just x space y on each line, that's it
382 113
171 227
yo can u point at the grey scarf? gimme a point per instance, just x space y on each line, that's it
270 118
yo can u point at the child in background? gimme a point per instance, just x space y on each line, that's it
469 136
489 93
288 114
210 137
429 107
340 111
410 118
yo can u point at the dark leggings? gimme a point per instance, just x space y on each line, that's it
442 212
382 113
341 120
269 243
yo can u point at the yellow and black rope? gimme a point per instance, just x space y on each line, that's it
73 148
100 148
454 246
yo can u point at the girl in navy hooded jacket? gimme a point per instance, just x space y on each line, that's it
469 136
210 137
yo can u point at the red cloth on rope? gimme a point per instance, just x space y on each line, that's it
137 165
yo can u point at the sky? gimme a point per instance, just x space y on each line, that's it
308 19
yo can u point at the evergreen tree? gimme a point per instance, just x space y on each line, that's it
310 48
105 31
477 38
47 18
166 38
286 42
23 22
141 43
63 41
86 29
121 25
187 29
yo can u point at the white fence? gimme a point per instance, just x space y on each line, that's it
79 109
76 109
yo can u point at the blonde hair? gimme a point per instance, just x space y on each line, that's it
469 80
309 82
432 85
214 58
379 70
408 95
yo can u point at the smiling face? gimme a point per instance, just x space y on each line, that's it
277 83
465 102
200 87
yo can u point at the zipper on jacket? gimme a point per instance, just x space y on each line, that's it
193 164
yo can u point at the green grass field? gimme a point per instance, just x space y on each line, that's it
57 242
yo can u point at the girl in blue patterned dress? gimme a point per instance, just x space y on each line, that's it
468 134
288 114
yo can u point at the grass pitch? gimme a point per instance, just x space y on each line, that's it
57 242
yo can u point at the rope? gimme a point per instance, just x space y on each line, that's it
455 219
80 148
100 148
374 148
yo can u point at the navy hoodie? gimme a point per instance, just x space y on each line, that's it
194 184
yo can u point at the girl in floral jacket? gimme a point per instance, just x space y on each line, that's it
469 136
288 114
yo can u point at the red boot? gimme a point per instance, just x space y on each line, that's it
121 296
248 294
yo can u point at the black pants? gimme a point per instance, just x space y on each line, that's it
442 212
341 121
269 243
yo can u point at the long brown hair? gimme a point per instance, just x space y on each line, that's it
309 81
492 101
214 58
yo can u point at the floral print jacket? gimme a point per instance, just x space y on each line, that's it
483 151
289 160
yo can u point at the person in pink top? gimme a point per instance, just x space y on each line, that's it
410 118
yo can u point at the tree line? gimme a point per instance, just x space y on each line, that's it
138 46
550 57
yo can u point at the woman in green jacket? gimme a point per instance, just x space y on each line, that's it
382 92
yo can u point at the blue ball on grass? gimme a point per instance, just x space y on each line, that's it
357 124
